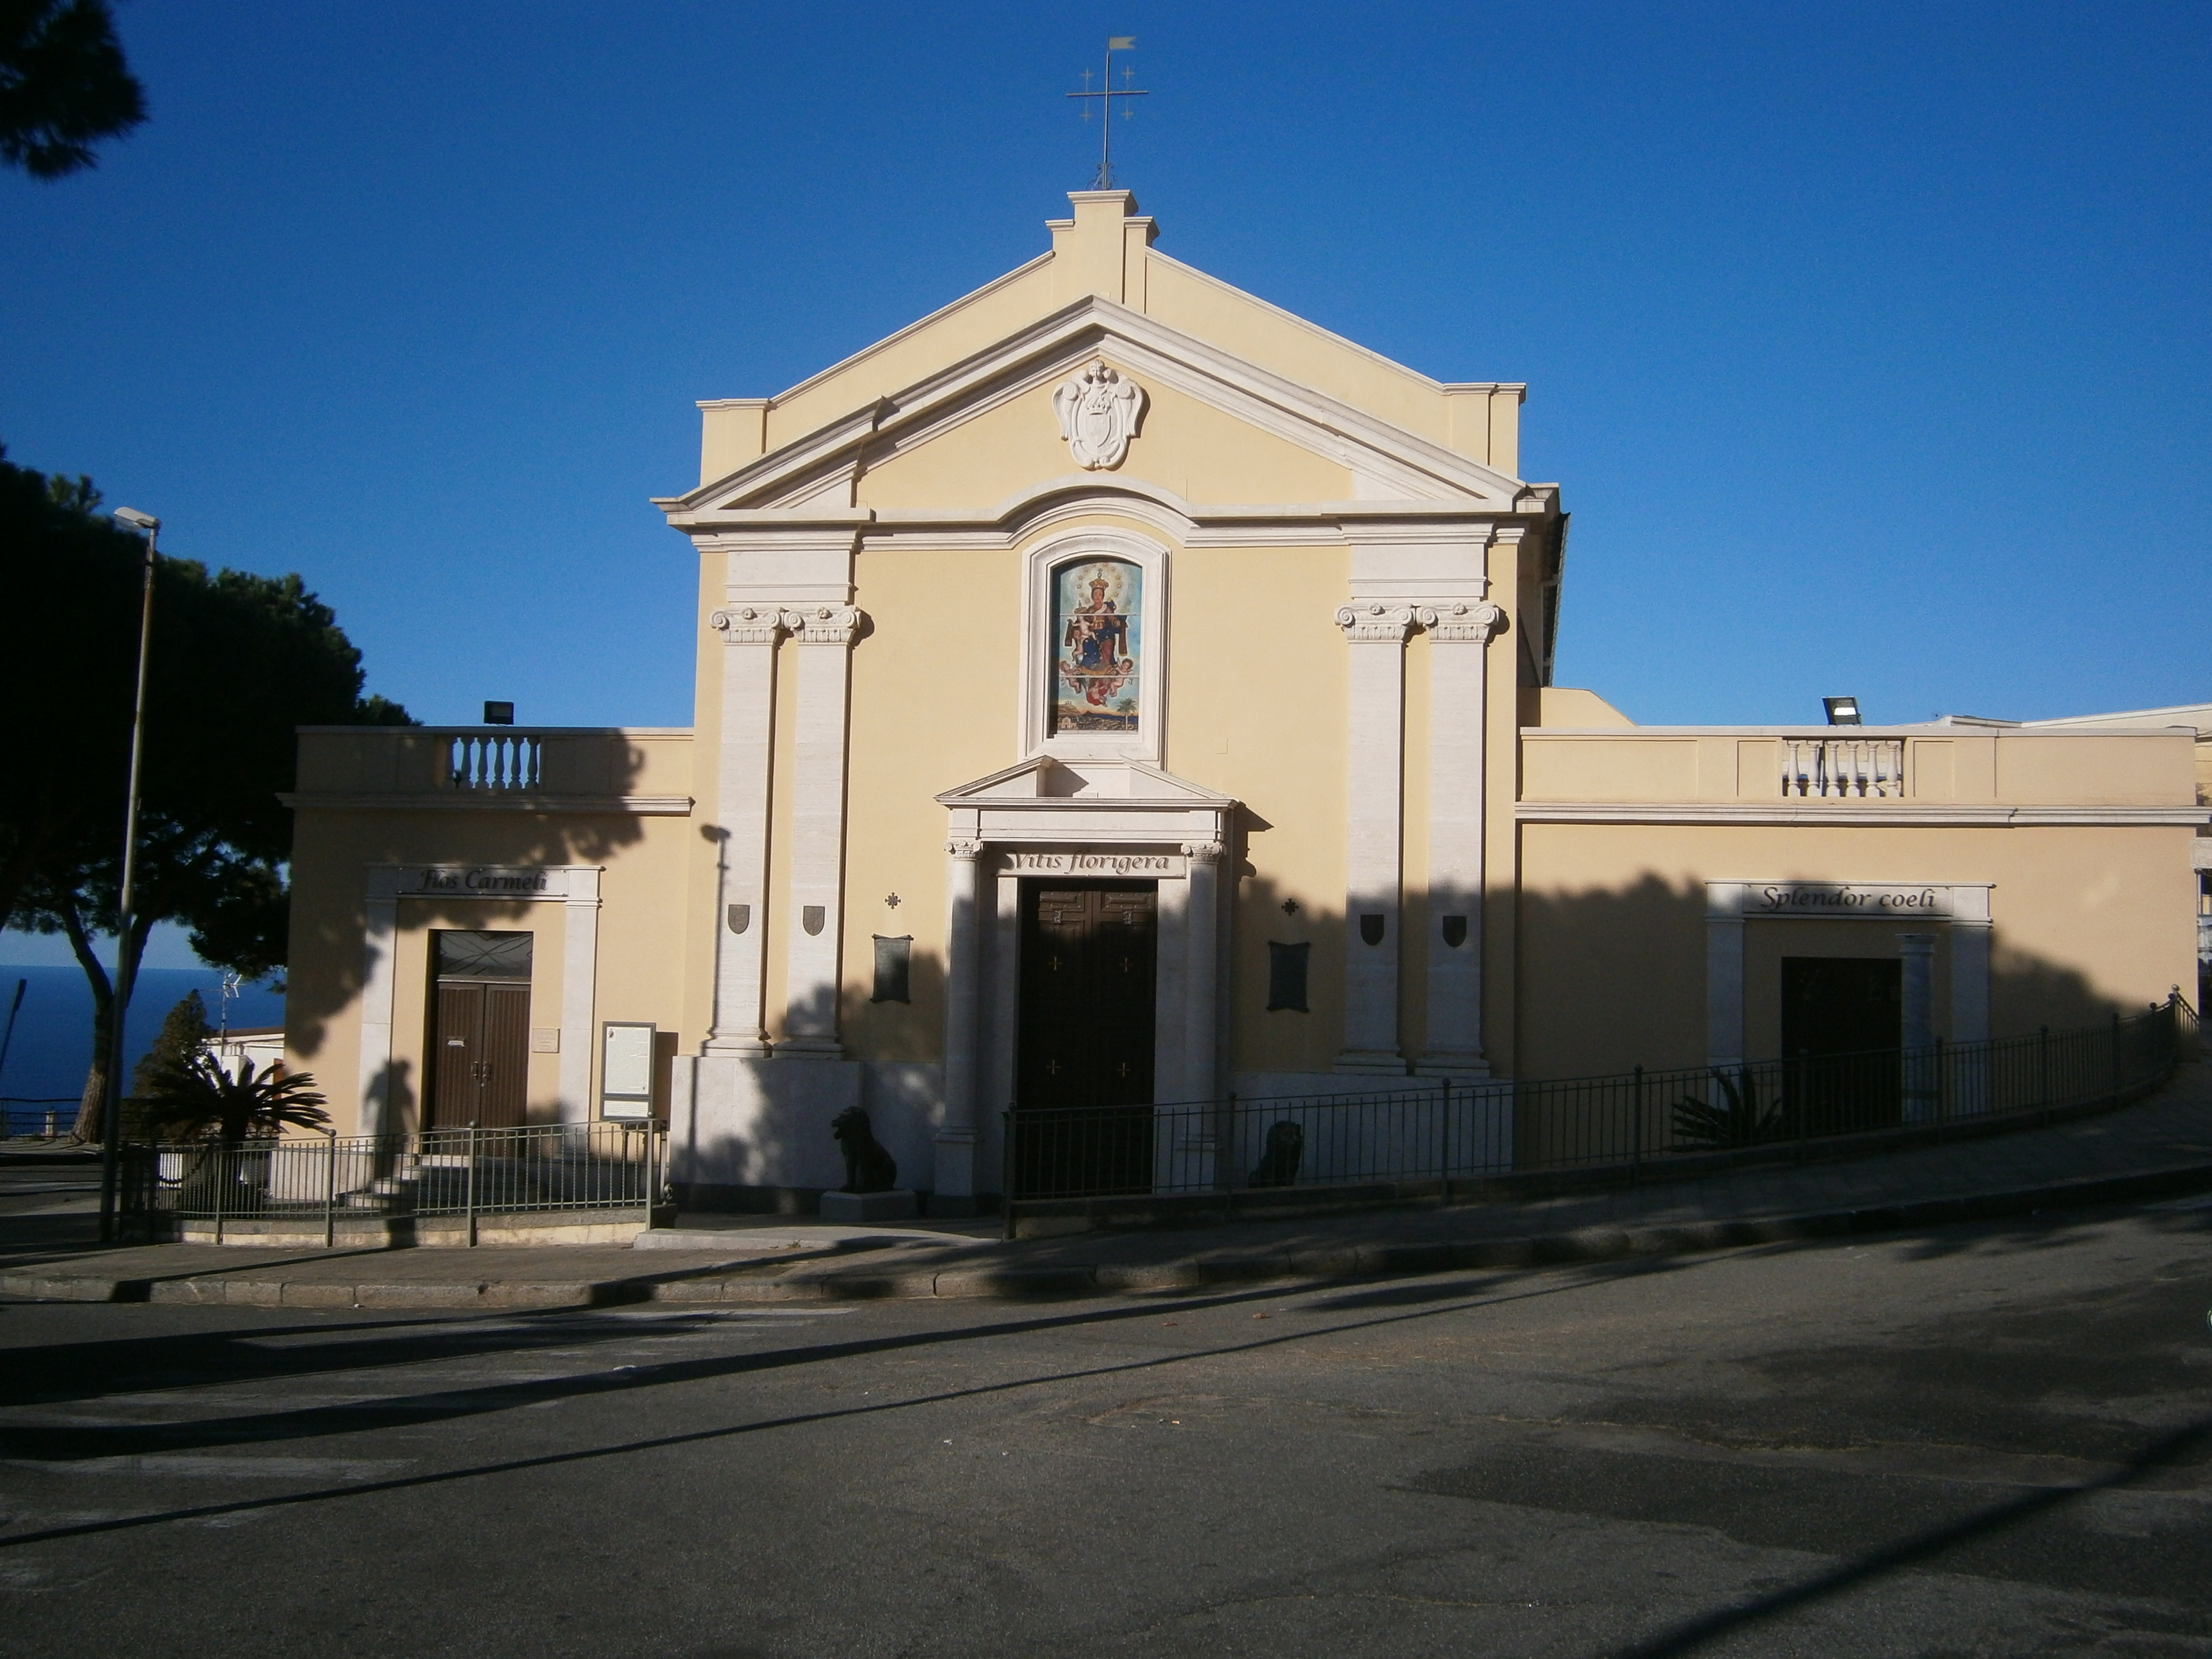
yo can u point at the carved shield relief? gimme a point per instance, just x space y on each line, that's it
1098 414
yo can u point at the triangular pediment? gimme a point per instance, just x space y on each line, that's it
1367 458
1045 778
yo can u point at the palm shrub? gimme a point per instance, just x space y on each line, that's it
199 1100
1739 1121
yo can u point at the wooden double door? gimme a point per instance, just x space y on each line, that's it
480 1032
1083 1099
1842 1019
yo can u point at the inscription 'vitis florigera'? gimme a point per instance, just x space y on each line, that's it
1091 863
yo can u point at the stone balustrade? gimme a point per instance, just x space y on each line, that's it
537 768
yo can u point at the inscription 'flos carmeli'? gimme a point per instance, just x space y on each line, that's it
1098 414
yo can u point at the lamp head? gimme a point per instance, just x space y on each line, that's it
1841 711
137 520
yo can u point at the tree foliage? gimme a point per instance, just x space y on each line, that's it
63 85
181 1040
238 662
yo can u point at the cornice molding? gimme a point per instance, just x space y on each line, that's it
1139 343
492 801
1903 815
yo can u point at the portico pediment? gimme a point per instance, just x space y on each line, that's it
1044 800
1177 415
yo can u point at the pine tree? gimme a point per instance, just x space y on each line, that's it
184 1034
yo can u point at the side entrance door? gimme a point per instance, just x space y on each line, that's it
1842 1034
480 1032
1083 1067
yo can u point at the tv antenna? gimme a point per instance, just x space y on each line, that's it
1106 95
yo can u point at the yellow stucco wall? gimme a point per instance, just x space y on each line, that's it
642 966
2086 919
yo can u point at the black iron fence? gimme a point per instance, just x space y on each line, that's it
40 1117
1448 1130
468 1173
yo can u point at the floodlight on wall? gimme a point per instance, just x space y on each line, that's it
1841 711
499 713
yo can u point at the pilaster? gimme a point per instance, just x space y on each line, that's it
1375 630
1201 957
1459 632
963 968
749 636
824 634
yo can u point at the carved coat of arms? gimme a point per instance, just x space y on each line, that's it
1098 414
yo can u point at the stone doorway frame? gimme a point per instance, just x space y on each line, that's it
1963 906
573 885
1098 819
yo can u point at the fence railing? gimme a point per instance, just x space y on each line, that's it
1448 1130
470 1173
38 1117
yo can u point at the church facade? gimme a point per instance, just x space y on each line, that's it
1113 689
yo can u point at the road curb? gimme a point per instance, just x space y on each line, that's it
1205 1270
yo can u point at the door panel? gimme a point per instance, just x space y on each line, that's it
1841 1034
456 1039
503 1090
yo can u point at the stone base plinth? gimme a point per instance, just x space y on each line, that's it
899 1205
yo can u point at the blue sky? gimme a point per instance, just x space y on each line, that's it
1868 343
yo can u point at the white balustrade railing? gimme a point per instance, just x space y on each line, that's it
1838 768
496 760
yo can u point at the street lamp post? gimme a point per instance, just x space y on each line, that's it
111 1106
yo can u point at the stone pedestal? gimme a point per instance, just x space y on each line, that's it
897 1206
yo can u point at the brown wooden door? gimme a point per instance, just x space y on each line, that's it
1842 1031
1085 1055
481 1040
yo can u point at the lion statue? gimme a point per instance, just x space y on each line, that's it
1279 1162
868 1167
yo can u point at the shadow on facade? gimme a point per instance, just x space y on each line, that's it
1614 978
330 961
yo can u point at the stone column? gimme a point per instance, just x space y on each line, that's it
379 975
1202 972
579 975
1970 998
741 804
1923 1088
1724 975
954 1187
825 633
1460 633
1374 789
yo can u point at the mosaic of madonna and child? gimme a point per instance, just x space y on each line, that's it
1096 609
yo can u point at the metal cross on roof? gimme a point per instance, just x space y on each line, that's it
1107 94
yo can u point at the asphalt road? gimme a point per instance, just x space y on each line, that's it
1993 1439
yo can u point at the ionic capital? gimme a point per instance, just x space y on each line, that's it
1462 622
822 624
1372 621
1202 852
748 624
967 851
